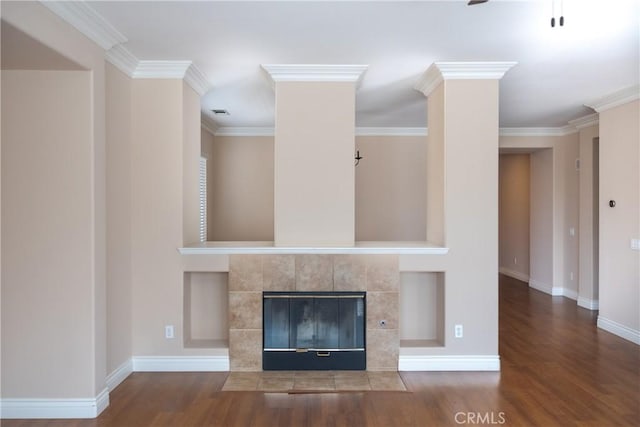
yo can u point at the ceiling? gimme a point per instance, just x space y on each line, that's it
596 52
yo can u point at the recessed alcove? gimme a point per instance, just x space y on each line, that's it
421 309
205 310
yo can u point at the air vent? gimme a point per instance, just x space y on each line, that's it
219 111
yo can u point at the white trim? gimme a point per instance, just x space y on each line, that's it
245 131
315 72
515 274
195 78
181 363
586 121
448 363
161 69
440 71
557 131
85 19
386 131
619 330
120 374
589 304
54 408
122 59
615 99
569 293
543 287
234 248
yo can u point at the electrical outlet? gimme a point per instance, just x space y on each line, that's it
515 260
571 276
572 231
635 244
168 332
458 331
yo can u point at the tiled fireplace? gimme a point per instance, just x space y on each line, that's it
250 275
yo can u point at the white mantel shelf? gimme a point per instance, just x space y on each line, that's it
232 248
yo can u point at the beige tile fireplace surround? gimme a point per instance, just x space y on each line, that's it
249 275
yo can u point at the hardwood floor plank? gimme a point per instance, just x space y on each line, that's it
558 369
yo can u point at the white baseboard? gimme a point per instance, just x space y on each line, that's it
589 304
180 363
569 293
448 363
543 287
555 291
121 373
54 408
515 274
619 330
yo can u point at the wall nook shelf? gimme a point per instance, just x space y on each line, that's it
230 248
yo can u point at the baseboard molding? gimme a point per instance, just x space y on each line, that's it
543 287
619 329
120 374
555 291
180 363
54 408
515 274
589 304
449 363
569 293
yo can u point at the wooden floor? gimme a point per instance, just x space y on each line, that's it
558 369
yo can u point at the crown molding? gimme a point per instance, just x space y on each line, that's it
315 72
122 59
586 121
86 20
615 99
197 80
556 131
390 131
208 124
161 69
440 71
245 131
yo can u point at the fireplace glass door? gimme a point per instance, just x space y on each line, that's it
314 330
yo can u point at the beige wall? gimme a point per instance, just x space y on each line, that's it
191 164
435 168
471 212
554 211
119 122
391 188
157 207
619 277
588 213
42 25
514 215
314 177
240 186
48 309
421 308
566 223
541 221
205 309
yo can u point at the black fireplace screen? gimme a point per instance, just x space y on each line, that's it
301 327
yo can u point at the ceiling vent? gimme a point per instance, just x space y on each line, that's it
220 112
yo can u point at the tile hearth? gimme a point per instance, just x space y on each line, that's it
313 381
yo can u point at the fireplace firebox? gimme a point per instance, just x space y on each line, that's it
314 331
